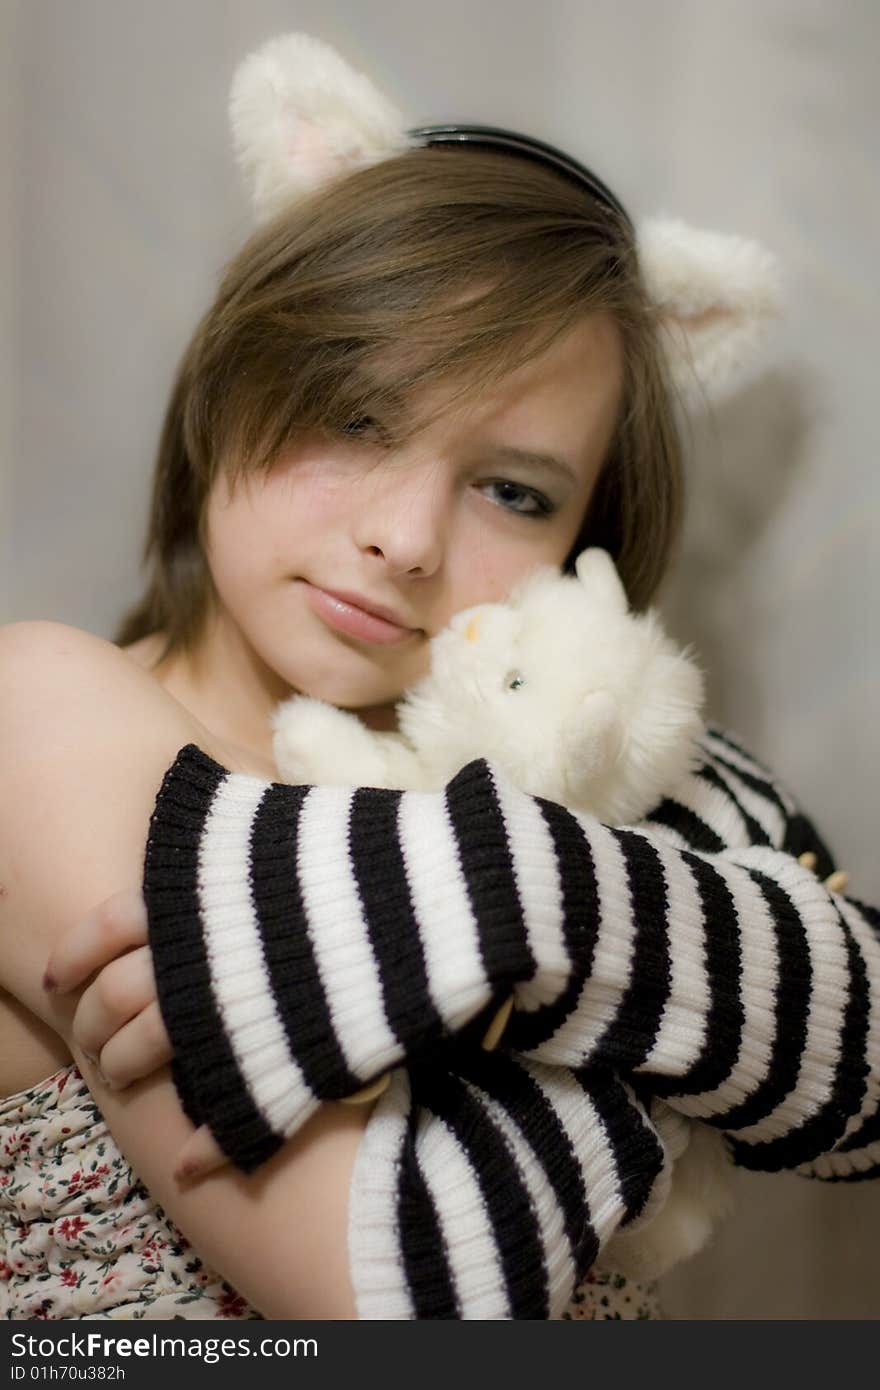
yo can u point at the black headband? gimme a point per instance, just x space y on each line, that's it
491 137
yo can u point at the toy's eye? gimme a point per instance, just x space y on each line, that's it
513 680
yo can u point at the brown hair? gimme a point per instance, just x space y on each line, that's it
458 265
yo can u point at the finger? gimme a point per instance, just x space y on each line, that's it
201 1154
117 924
141 1046
115 996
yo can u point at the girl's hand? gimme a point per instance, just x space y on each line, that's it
117 1023
200 1154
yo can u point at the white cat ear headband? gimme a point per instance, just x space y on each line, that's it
302 116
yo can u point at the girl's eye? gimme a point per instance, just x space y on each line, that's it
525 501
363 426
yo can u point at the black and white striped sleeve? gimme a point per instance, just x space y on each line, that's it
306 939
488 1191
720 971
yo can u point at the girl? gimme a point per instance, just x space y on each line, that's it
372 420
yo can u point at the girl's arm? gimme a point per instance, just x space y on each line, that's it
85 737
521 1169
693 952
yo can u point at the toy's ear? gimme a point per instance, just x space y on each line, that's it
301 116
595 569
716 295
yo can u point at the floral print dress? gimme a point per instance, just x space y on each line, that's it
80 1236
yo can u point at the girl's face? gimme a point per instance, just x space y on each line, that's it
454 517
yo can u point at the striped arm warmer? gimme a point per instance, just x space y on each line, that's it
305 939
721 973
488 1192
292 962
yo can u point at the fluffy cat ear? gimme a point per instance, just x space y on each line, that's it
301 115
716 294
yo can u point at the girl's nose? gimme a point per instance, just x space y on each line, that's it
404 517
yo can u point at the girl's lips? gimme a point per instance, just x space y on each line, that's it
347 618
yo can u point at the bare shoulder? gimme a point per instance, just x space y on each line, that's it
43 638
85 739
67 696
61 686
45 665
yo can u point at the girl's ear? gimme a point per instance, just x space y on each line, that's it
302 116
715 294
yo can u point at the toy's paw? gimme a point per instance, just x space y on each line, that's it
316 743
308 735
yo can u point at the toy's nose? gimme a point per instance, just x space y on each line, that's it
472 631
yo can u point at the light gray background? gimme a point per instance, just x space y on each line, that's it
119 202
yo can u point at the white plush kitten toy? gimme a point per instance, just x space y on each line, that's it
575 699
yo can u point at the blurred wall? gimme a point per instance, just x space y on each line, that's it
119 202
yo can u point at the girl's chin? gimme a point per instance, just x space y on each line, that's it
350 681
374 704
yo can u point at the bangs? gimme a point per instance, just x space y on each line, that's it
441 268
435 268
